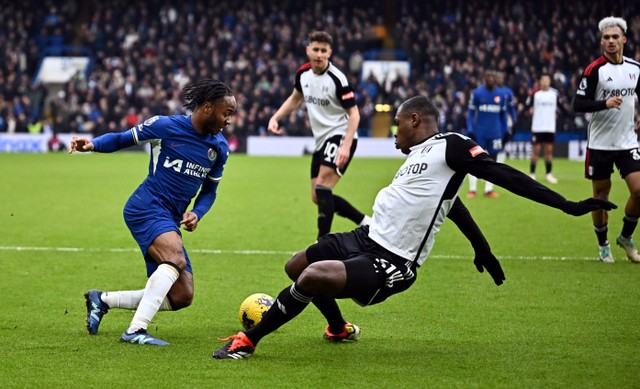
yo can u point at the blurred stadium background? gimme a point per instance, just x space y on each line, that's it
99 66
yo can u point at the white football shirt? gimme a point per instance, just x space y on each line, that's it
545 105
611 129
326 97
409 212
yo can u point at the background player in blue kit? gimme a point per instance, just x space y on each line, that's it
372 263
487 124
188 154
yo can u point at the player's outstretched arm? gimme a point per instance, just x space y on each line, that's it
291 103
521 184
107 143
484 258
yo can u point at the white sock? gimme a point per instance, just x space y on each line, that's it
155 293
488 187
501 157
128 299
473 183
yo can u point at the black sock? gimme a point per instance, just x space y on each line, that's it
326 208
330 310
629 224
345 209
289 304
532 167
601 233
547 165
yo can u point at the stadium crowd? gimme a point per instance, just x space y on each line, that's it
143 53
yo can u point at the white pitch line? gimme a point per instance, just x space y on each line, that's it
270 252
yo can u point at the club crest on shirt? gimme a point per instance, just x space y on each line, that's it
475 151
212 154
496 99
152 120
583 83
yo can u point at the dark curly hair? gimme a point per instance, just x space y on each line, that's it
207 89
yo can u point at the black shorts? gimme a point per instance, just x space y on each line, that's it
543 137
373 273
328 153
599 163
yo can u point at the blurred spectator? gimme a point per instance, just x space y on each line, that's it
144 52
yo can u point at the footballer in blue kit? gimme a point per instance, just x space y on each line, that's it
181 159
487 124
188 155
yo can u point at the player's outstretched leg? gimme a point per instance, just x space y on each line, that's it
96 309
349 332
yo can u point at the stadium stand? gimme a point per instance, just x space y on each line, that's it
142 53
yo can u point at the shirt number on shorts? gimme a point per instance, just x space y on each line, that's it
330 152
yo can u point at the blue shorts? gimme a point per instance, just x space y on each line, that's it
147 219
491 145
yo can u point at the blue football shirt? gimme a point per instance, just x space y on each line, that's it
487 113
181 159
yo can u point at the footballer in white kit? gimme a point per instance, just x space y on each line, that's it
609 90
371 263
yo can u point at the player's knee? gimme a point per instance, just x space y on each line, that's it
635 194
316 279
296 265
180 300
180 261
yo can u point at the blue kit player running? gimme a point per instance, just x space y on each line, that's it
188 154
487 124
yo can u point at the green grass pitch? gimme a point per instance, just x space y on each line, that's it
560 320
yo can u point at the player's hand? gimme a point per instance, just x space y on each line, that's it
274 128
343 156
614 102
80 144
589 205
190 221
490 262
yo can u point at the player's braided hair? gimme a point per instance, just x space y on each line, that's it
207 89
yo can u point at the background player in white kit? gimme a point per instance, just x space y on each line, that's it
543 103
334 117
372 263
609 88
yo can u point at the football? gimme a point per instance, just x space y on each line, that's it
253 308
